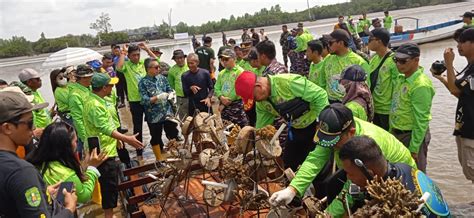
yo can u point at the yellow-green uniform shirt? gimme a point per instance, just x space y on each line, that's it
133 74
365 23
387 22
357 110
383 90
174 78
469 25
302 42
99 122
285 87
331 69
77 97
57 172
61 96
41 117
247 67
314 70
225 84
411 106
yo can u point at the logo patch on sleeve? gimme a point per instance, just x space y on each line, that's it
33 197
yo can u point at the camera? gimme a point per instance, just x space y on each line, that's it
438 67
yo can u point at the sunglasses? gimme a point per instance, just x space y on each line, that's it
401 60
28 123
225 59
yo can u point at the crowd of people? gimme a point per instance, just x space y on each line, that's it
340 108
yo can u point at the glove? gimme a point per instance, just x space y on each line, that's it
283 196
172 97
163 96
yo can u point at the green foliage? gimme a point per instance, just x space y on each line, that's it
16 46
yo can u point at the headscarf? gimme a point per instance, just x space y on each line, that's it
353 79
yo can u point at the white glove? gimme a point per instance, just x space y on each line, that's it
163 96
283 196
172 97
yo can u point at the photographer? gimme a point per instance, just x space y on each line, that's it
463 89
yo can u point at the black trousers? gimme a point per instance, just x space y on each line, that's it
121 87
109 183
297 148
156 129
382 121
137 111
252 116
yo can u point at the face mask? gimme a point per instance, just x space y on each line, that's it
61 82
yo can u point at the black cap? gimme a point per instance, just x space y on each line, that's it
354 73
407 50
468 14
382 34
253 55
467 35
339 35
178 53
333 121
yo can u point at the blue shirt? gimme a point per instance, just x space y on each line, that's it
152 86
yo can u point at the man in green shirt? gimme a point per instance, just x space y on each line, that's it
230 107
387 21
134 71
291 96
363 25
255 65
336 126
467 19
410 112
301 65
174 78
382 75
314 54
341 57
31 78
98 122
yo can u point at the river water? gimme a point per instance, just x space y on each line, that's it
443 165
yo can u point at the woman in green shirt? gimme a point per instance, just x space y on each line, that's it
56 160
357 97
59 84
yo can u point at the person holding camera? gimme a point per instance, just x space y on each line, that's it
462 88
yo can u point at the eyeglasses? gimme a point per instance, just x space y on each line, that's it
29 123
400 60
225 59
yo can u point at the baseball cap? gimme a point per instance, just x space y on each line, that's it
178 53
27 74
339 35
102 79
13 104
246 45
244 85
227 53
69 69
467 35
407 50
83 70
334 119
354 73
382 34
156 49
468 14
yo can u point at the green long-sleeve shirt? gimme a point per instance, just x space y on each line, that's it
383 90
174 78
387 22
61 96
133 74
393 150
57 172
302 42
411 106
99 122
363 24
225 83
331 69
41 118
285 87
357 110
77 97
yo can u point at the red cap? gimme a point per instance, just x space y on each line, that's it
244 85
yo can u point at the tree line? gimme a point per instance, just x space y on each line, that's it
19 46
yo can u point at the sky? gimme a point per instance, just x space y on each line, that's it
56 18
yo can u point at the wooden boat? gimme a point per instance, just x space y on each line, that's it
421 35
